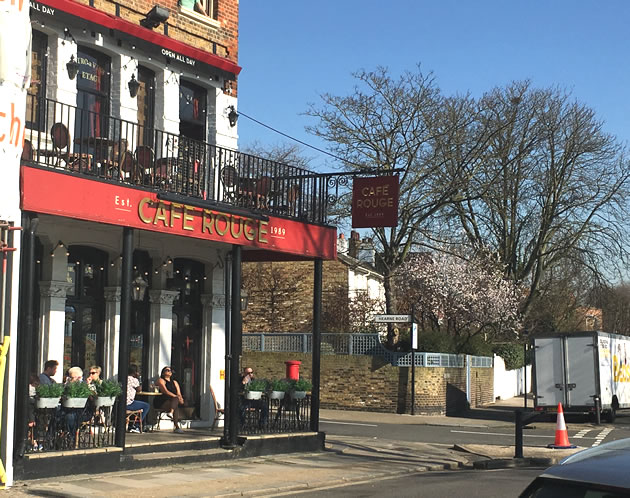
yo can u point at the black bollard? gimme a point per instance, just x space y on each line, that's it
518 436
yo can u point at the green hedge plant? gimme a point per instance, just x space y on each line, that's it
108 389
301 385
77 390
279 385
49 390
257 385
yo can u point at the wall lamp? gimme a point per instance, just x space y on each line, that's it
232 116
134 86
155 17
73 67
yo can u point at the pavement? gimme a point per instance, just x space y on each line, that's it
346 460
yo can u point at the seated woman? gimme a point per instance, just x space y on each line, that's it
171 396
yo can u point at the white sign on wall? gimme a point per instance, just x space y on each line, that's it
392 318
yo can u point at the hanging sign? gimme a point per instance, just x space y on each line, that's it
375 202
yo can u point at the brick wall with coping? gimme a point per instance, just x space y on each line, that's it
367 383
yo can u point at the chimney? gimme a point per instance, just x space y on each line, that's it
366 252
355 243
342 244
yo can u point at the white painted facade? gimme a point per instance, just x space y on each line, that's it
53 265
15 38
510 383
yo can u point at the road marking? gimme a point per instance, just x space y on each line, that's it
582 433
510 435
601 436
346 423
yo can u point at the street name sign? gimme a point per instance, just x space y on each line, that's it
392 318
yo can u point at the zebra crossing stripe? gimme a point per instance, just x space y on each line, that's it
582 433
601 436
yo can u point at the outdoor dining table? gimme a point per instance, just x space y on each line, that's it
149 396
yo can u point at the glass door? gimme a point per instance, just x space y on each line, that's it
85 304
186 342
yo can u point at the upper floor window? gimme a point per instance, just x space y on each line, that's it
37 90
146 104
192 111
93 85
204 7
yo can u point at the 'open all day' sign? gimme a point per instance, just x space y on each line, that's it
375 202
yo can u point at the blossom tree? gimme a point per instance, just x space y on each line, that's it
461 297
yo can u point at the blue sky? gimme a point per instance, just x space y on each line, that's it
291 51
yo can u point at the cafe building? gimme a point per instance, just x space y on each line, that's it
137 206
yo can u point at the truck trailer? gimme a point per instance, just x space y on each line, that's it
585 371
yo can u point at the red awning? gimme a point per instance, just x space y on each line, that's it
116 23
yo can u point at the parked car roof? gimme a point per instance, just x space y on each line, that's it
602 467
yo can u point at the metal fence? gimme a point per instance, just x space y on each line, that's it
63 429
356 344
267 415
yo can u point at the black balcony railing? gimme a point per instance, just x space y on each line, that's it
96 145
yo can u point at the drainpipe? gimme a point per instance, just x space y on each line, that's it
26 328
228 348
317 342
125 331
236 340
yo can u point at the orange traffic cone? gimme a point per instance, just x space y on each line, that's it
562 436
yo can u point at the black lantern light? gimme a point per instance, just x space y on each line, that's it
73 67
138 288
232 116
134 85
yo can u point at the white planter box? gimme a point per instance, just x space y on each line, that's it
276 395
74 402
298 394
105 401
253 394
47 402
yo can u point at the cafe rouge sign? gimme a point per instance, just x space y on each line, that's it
375 201
64 195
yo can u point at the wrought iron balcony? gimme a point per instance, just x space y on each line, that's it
95 145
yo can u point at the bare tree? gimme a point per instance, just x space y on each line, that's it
403 123
552 187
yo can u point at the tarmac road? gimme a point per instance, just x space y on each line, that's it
451 484
349 459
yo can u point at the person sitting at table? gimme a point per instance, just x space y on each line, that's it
50 369
94 378
133 387
72 416
171 397
257 404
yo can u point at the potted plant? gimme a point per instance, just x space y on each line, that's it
254 388
48 395
76 395
107 392
299 388
278 388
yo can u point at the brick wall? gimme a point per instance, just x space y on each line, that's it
280 295
182 28
366 383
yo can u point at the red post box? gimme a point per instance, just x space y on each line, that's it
293 369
